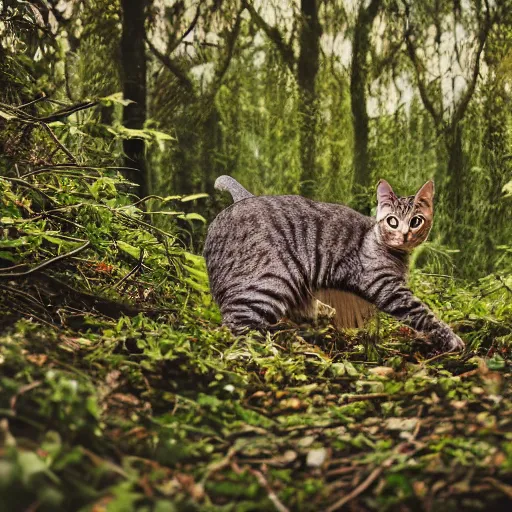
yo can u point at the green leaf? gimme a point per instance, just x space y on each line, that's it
496 362
55 240
193 197
17 242
7 256
192 216
129 249
31 465
159 136
103 187
350 369
195 259
115 99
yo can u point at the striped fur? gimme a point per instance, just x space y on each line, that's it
270 257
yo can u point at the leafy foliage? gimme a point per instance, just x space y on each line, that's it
120 390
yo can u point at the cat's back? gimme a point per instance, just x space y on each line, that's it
292 217
298 206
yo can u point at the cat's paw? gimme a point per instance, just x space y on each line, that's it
447 340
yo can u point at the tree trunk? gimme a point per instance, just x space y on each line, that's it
358 82
133 66
307 71
456 171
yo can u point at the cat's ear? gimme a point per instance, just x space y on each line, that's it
385 198
424 199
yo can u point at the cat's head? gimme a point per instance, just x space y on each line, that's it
403 223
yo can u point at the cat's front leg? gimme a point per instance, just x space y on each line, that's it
391 295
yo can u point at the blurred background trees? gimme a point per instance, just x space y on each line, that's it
318 97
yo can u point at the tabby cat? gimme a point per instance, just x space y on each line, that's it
270 257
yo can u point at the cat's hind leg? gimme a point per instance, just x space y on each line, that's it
248 309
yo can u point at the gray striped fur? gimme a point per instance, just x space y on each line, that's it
268 256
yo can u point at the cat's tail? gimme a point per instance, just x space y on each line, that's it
232 186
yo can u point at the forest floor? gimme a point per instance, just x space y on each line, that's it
120 390
174 413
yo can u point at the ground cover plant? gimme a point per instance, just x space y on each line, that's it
120 390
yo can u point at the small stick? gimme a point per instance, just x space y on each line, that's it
361 487
435 358
58 142
37 100
45 263
30 186
23 389
271 494
67 111
132 271
418 425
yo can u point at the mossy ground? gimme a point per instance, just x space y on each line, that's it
174 413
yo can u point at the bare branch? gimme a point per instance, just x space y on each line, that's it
482 39
419 68
58 142
224 66
274 35
67 111
28 185
174 68
10 275
187 32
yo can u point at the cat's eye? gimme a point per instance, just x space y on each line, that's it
416 222
392 222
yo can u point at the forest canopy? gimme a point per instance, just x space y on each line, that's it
120 389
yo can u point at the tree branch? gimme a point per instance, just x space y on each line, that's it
10 275
274 35
224 66
191 27
482 39
174 68
67 111
418 71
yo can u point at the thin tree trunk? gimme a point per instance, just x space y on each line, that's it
133 64
358 82
307 70
456 170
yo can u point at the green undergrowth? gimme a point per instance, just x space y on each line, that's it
165 414
120 390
